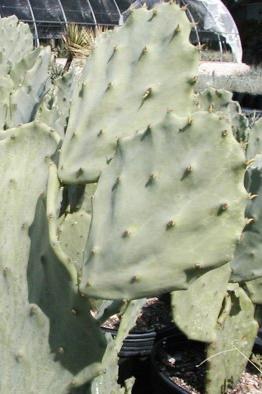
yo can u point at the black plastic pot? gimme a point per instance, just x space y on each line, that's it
140 343
160 381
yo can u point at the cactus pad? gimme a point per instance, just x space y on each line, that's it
134 75
236 333
25 330
159 204
195 311
16 41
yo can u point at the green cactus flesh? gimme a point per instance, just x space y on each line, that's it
73 232
246 264
134 75
236 333
162 203
195 311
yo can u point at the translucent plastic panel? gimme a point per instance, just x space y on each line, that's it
47 10
105 11
50 22
77 11
124 4
20 8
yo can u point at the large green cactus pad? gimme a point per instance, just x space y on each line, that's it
195 311
246 264
134 75
162 216
24 329
236 333
30 345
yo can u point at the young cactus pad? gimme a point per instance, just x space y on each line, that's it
169 207
134 75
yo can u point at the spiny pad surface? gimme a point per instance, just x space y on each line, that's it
134 75
169 207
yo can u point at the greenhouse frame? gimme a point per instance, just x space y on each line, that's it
48 18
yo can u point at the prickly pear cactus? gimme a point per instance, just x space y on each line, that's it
195 311
28 334
24 329
30 77
236 333
134 75
172 210
246 264
16 41
22 89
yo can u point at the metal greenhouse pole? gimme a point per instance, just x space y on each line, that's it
92 12
34 23
63 11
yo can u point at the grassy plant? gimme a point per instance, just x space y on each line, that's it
80 40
